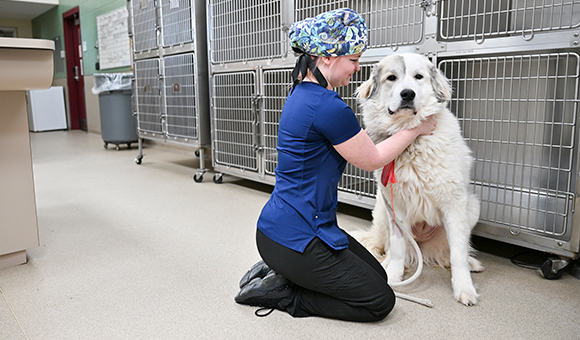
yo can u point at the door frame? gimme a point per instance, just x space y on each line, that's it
75 82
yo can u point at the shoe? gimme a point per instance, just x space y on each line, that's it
273 291
260 269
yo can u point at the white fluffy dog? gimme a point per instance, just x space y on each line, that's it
431 198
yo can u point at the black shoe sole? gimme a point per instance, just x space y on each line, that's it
258 270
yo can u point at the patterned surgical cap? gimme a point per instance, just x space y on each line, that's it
331 34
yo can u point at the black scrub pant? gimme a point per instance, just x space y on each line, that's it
348 284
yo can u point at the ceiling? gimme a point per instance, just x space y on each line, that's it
24 10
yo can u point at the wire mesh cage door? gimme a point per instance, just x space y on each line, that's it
148 97
246 30
355 181
518 114
176 22
277 84
144 25
482 19
181 113
235 120
390 23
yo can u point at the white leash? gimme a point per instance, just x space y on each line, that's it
424 302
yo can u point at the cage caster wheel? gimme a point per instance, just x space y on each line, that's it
106 146
218 178
128 146
117 147
553 268
138 160
196 153
198 177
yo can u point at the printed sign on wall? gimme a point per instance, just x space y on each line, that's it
113 37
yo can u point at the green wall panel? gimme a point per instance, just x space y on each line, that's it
49 25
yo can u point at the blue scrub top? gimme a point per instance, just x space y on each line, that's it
305 197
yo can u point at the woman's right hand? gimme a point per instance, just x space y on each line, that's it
427 126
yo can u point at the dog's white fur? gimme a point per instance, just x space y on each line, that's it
432 173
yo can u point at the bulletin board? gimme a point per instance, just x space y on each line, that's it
113 39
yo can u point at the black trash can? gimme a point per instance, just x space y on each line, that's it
118 125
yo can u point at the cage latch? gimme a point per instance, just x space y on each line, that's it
429 7
256 99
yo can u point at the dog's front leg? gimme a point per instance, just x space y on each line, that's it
458 235
396 254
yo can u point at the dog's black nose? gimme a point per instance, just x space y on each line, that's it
407 95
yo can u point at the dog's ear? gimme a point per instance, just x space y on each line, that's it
369 87
441 85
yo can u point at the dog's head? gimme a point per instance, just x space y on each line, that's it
402 91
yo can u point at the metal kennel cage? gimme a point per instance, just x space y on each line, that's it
247 30
176 23
235 25
235 122
514 70
171 84
143 26
518 114
246 115
147 97
183 117
390 23
479 20
514 67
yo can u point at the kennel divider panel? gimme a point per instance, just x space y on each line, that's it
390 23
246 30
235 120
148 97
143 25
181 111
176 19
518 114
483 19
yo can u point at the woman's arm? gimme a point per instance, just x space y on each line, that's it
361 152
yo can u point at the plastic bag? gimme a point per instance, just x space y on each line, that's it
106 82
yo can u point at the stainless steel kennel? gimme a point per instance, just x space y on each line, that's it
514 67
171 89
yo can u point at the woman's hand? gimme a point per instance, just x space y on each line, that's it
427 126
363 153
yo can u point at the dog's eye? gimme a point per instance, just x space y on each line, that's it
392 78
418 76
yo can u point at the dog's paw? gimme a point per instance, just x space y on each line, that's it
466 296
475 265
395 273
379 254
467 299
367 240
